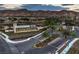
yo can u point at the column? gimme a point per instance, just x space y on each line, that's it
14 27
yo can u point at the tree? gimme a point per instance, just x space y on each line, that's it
46 34
73 34
51 23
66 33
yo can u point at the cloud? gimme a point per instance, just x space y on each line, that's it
67 4
30 6
73 7
10 6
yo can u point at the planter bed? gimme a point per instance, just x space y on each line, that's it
45 42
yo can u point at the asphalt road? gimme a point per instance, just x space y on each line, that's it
7 48
49 49
4 48
27 47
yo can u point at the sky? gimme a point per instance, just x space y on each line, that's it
54 7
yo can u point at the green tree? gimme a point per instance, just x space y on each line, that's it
66 33
73 34
52 22
46 34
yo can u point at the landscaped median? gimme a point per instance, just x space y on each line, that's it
44 43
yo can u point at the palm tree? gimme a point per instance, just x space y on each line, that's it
65 33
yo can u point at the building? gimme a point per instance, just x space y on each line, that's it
26 21
21 24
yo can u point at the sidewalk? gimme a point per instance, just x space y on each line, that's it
69 46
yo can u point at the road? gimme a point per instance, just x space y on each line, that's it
48 49
23 46
7 48
26 47
4 48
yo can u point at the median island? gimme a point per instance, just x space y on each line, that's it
44 43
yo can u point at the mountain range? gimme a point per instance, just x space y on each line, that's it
33 7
